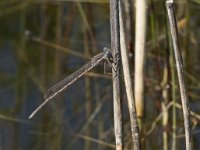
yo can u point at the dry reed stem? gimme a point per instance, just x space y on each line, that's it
180 71
140 35
115 46
128 84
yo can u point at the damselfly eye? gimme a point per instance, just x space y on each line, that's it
107 51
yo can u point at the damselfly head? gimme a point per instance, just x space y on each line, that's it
107 50
108 53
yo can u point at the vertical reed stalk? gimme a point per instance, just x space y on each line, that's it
87 24
180 71
128 26
128 84
140 35
164 122
43 65
186 44
58 53
115 46
172 83
173 89
88 95
100 115
21 78
164 103
43 32
57 72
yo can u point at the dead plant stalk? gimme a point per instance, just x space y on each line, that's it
140 35
180 71
128 85
115 46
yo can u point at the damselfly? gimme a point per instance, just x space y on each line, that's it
63 84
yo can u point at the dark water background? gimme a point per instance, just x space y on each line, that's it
28 68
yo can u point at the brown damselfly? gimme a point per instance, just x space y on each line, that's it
63 84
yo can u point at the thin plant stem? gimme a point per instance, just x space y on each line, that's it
88 94
86 23
173 89
128 85
58 47
166 93
115 46
129 27
140 35
20 85
58 107
90 119
180 71
164 85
